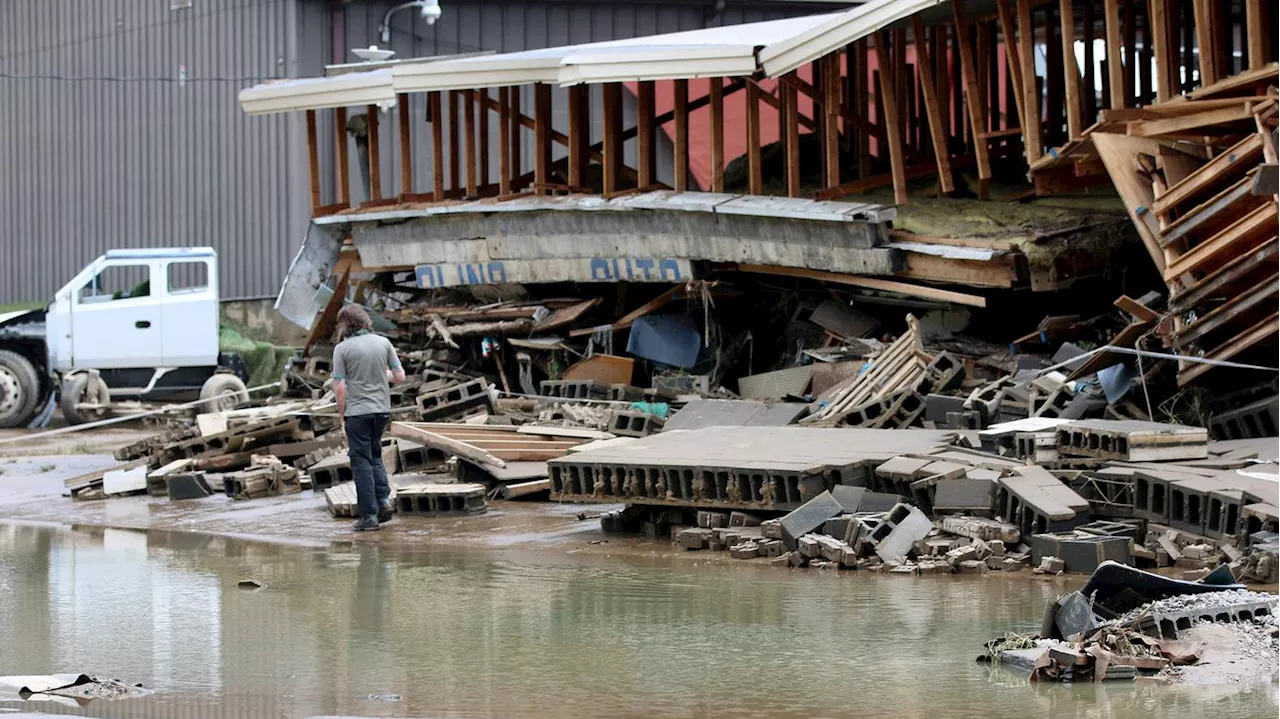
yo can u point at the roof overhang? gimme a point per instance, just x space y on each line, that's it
318 93
477 72
838 31
635 64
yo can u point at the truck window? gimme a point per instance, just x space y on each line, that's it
117 282
188 276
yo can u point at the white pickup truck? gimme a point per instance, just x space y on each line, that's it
134 324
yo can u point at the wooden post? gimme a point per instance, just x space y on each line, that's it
541 136
516 130
933 107
644 134
898 56
942 77
1129 29
344 176
1030 96
504 141
612 150
469 127
406 146
972 102
375 157
893 128
1256 33
755 183
1012 58
681 144
1165 61
831 123
1090 89
1144 56
717 135
984 54
1115 66
1070 70
1054 81
579 126
313 161
482 110
455 151
437 146
791 134
859 103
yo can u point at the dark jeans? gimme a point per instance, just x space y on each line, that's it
364 447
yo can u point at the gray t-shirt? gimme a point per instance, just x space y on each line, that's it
363 360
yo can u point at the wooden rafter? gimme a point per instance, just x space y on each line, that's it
933 107
892 124
973 102
717 136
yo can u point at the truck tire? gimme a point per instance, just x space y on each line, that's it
19 390
83 387
223 392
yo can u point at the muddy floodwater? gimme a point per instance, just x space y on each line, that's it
376 631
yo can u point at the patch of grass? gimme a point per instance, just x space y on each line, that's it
47 468
82 448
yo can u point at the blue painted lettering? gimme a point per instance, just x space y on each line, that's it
600 270
646 267
497 272
672 266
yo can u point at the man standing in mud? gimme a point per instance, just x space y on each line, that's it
364 365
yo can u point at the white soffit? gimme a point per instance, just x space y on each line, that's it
787 54
317 93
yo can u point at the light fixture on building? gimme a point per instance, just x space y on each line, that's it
372 53
430 10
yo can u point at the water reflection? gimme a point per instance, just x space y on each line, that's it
510 633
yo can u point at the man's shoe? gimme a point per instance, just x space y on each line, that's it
366 524
386 508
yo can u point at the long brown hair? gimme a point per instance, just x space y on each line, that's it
352 319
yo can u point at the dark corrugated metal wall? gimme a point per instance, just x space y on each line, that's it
150 161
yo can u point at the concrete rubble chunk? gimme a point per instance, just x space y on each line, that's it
771 529
1051 565
694 538
980 528
972 566
906 525
808 517
743 519
772 548
744 550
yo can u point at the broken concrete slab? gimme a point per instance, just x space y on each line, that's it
1132 440
980 528
808 517
963 496
905 525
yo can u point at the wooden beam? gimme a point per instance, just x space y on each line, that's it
755 183
437 146
892 124
871 283
541 134
406 146
375 157
1115 65
1220 281
611 119
1210 254
973 100
469 130
1165 61
1235 306
1071 71
516 130
1256 33
998 272
1031 128
1206 40
790 127
831 120
504 141
579 127
717 136
1130 40
1090 89
1192 122
870 182
1265 329
343 169
645 157
933 107
680 162
313 160
858 106
1012 61
1210 174
455 149
482 137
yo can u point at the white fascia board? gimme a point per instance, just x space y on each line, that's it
317 93
658 64
782 57
491 71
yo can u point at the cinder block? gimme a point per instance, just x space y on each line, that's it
808 517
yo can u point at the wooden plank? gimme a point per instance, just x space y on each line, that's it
933 109
755 183
1155 128
859 106
375 157
469 137
1013 61
831 120
455 149
1266 329
1212 213
504 141
790 127
1115 66
521 489
1210 174
579 127
541 134
1257 79
1117 153
870 182
1258 224
1031 99
612 148
675 293
901 288
343 169
1221 280
437 146
973 100
931 268
313 160
1137 309
1090 91
892 124
717 136
1071 71
1158 31
1129 31
406 146
1206 41
1256 33
645 157
680 142
516 130
407 430
1224 313
482 136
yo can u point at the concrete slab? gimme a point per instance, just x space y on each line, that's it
808 517
963 495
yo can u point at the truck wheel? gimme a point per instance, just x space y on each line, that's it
81 388
223 392
19 390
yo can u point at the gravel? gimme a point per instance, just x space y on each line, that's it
1198 602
